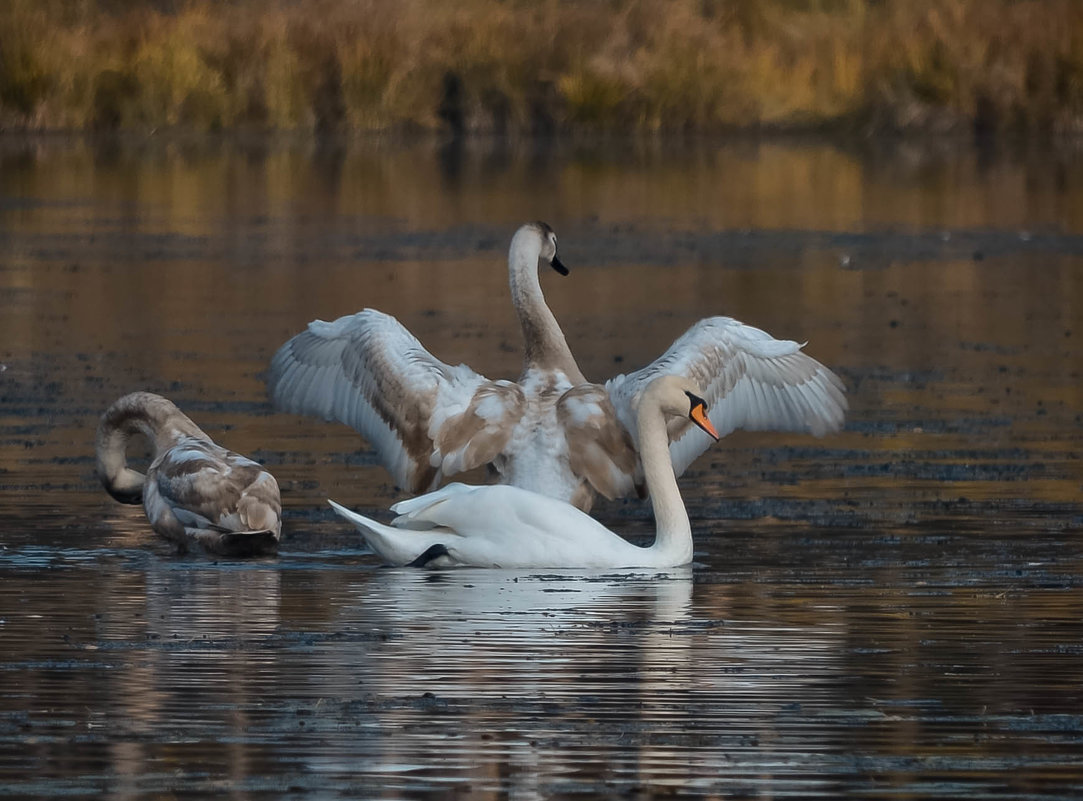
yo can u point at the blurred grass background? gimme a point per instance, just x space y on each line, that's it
523 66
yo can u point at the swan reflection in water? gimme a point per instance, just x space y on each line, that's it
514 680
195 666
479 664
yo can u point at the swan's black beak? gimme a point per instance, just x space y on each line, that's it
698 414
558 265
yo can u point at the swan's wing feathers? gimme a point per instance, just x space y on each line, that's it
460 508
749 379
600 448
367 371
422 512
504 526
260 506
479 433
205 484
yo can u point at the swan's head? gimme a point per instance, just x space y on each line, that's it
548 244
677 396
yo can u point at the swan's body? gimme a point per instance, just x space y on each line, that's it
194 490
506 526
552 431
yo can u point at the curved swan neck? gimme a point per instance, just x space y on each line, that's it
544 341
156 418
673 531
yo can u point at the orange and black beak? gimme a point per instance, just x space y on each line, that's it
698 415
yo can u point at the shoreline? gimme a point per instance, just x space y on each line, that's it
683 67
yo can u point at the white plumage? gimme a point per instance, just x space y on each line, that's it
509 527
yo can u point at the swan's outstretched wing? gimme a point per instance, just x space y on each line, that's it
425 419
749 379
600 449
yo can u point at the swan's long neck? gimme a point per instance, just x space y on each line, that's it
156 418
673 532
545 343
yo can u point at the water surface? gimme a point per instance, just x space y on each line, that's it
892 611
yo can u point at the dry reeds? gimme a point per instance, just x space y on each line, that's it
553 65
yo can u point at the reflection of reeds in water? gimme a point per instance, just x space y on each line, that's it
486 65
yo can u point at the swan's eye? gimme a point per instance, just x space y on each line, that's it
698 414
695 399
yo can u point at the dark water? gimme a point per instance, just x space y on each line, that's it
895 611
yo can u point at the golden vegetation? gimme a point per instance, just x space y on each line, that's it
550 65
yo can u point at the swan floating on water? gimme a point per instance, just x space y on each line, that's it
194 490
552 431
505 526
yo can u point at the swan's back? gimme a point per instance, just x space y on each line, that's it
501 525
209 486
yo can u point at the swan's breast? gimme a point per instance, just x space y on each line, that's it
537 453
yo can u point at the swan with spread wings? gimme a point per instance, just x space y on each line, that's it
509 527
551 431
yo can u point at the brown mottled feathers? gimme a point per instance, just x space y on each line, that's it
425 419
600 449
194 490
480 434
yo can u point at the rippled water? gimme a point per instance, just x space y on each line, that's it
894 611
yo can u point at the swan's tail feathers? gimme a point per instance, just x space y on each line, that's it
363 523
369 528
357 520
395 546
237 543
